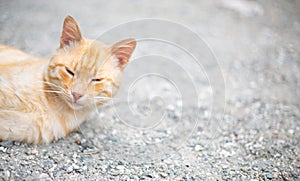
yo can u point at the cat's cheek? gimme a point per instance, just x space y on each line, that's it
63 75
64 78
54 74
98 88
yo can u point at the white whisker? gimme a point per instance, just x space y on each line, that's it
100 97
52 91
49 83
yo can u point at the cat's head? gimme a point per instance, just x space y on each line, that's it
85 72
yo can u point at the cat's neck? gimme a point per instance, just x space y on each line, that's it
69 118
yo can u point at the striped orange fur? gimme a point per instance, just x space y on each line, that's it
43 100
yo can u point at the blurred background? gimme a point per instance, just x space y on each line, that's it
259 39
256 44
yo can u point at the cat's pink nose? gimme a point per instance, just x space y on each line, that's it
76 96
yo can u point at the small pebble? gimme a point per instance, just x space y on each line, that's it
295 175
198 148
43 175
269 176
7 174
69 169
120 167
75 167
77 141
3 149
34 152
163 174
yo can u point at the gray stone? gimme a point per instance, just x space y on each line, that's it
269 176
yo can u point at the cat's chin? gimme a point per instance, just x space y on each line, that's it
76 106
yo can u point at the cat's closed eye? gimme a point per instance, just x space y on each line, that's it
98 80
70 72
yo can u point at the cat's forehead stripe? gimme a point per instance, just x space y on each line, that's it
93 57
76 65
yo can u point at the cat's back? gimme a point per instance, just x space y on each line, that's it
9 55
20 75
14 61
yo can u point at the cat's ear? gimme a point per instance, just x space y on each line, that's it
70 33
123 50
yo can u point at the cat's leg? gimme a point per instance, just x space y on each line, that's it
19 127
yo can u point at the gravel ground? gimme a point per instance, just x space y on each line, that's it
256 137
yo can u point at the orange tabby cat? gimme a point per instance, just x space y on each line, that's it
43 100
